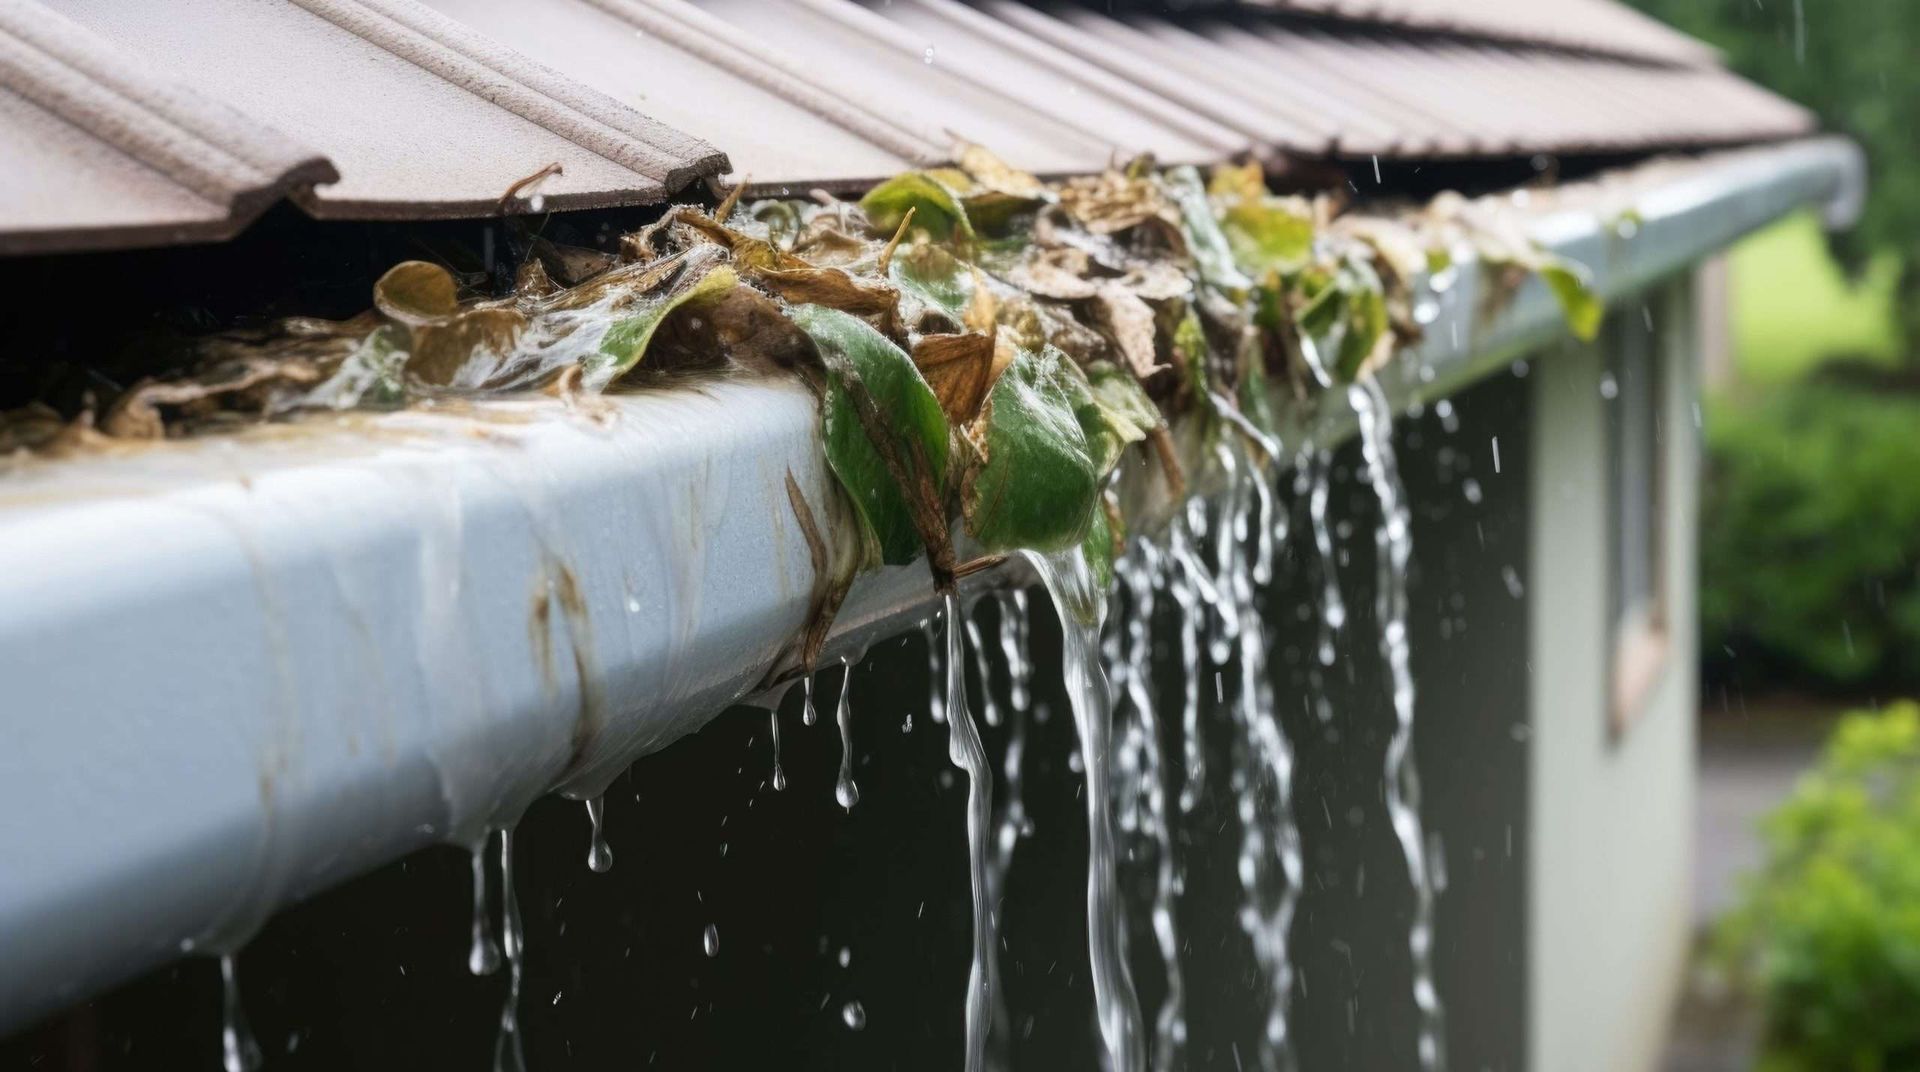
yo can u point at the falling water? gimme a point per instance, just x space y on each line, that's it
1334 610
1185 587
844 791
1394 548
1140 763
483 955
599 853
773 723
508 1054
1013 645
966 752
1081 604
936 701
238 1050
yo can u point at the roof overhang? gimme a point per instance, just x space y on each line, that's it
242 669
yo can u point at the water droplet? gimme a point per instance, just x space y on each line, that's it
1609 387
779 777
844 791
238 1050
852 1013
599 853
710 940
1471 489
926 55
846 956
808 713
483 955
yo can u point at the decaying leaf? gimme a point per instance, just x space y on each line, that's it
1129 320
959 368
416 292
740 327
625 342
989 172
885 437
1265 233
136 414
1114 201
1031 481
1115 414
1059 273
935 280
870 299
936 207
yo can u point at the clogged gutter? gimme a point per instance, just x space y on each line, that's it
985 346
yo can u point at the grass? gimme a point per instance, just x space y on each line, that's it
1794 308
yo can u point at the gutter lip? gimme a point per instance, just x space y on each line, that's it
478 584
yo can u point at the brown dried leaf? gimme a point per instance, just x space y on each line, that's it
137 414
1056 273
1129 321
866 298
416 292
571 266
751 254
441 349
992 173
1157 281
1111 202
960 369
983 311
742 326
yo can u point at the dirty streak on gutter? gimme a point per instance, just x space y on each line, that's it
240 670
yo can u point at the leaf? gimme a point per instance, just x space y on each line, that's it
1572 285
886 437
1032 484
1059 273
935 279
750 253
937 208
416 292
1264 232
992 173
867 298
1115 415
625 342
1112 202
1102 542
1190 350
742 327
959 368
1206 242
1130 321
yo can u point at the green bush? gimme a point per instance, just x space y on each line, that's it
1810 539
1829 932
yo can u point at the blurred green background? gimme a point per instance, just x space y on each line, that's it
1811 529
1810 546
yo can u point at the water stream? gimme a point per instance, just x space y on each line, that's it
966 752
239 1052
1393 541
483 954
599 853
509 1055
1081 605
844 790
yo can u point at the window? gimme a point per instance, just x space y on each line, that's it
1630 390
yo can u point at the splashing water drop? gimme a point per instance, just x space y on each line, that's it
483 955
710 940
854 1015
599 853
238 1050
844 791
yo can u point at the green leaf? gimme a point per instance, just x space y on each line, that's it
625 342
861 362
934 278
1115 415
1033 485
1190 347
1208 244
1572 285
937 208
1098 547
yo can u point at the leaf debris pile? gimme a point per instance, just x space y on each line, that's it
987 347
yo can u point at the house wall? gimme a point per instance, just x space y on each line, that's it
1610 838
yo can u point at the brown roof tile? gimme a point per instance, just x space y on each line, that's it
422 116
100 151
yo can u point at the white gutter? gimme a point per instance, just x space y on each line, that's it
240 670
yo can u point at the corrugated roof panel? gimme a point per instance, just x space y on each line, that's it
422 116
689 69
1587 25
867 58
99 151
1129 117
1252 115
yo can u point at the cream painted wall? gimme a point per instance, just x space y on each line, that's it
1611 848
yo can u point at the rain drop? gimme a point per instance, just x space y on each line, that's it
852 1014
599 853
710 940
